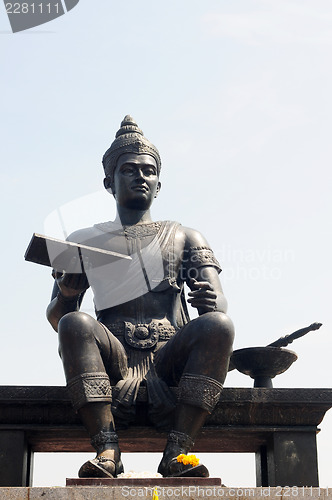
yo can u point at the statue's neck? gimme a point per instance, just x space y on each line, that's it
128 217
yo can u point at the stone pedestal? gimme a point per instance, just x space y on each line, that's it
160 482
278 425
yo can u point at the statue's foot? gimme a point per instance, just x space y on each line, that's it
101 466
173 468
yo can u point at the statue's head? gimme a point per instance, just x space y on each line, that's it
128 139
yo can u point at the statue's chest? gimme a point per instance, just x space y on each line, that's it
152 245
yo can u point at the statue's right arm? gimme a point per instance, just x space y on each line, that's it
68 290
64 298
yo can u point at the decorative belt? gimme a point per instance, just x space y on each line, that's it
142 335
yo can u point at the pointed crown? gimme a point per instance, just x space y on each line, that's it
128 139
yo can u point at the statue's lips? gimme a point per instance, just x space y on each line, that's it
142 189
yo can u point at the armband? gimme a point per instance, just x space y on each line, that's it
197 257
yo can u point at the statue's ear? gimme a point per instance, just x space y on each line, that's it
158 189
109 186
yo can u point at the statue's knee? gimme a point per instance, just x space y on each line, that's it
218 330
76 326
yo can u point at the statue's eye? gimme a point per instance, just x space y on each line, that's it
149 171
127 170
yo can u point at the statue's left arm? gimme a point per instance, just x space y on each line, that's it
202 274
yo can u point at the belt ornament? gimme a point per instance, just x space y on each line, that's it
146 336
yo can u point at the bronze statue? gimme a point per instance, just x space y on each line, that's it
142 334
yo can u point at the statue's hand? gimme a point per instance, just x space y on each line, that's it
71 284
202 295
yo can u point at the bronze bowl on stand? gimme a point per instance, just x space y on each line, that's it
262 363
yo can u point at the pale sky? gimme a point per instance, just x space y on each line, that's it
237 98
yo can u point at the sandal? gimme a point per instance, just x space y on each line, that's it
177 469
101 467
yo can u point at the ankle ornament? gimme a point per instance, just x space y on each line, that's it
180 439
104 437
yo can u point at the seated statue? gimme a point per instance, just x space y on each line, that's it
143 334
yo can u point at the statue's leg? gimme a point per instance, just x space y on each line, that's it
199 355
85 349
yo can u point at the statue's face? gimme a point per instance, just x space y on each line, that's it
136 181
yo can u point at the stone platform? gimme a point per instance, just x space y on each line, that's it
160 482
278 425
172 493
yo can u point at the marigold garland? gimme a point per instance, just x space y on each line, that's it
188 459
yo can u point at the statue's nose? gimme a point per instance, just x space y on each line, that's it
139 174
